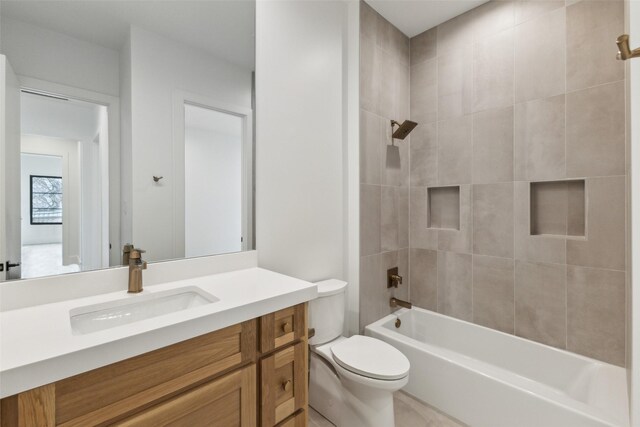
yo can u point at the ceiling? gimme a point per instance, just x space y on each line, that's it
413 17
224 28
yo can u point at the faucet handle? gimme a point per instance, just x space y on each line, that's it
393 278
136 253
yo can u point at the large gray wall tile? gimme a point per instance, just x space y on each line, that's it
540 139
423 267
540 57
370 146
424 46
493 73
592 27
454 151
604 246
493 146
596 313
424 93
454 285
369 219
493 219
455 85
529 9
424 155
596 131
493 292
540 295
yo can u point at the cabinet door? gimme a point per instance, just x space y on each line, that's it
229 401
284 384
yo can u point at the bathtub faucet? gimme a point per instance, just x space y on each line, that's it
395 302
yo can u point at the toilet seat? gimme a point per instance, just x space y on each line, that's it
371 358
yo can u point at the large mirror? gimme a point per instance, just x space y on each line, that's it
124 122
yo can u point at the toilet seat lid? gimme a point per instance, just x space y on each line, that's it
371 358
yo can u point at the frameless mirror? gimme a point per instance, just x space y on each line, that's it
124 122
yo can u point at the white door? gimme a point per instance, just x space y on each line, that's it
213 142
10 239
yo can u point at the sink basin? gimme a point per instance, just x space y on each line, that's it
97 317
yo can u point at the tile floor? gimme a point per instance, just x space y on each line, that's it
409 413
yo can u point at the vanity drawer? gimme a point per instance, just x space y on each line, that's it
227 401
283 384
282 327
125 387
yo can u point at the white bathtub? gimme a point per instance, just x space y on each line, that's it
487 378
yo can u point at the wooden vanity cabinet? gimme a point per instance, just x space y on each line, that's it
246 375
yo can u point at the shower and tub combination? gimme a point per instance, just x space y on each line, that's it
487 378
505 210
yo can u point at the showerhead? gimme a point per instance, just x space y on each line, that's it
403 130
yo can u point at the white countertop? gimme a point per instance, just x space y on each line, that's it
37 346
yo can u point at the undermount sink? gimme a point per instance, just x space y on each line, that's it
97 317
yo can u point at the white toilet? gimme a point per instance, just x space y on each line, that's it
352 380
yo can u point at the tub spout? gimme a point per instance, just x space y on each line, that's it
395 302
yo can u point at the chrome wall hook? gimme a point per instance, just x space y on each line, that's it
157 178
624 52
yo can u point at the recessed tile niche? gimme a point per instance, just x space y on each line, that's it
558 208
444 207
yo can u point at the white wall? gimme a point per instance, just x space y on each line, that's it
126 153
90 208
33 164
300 207
55 57
307 155
213 190
159 68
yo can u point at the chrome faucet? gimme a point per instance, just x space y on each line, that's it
395 302
136 265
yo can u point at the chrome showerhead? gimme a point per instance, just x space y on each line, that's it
403 130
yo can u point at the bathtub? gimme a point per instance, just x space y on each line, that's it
488 378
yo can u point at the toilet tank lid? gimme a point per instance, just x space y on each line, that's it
330 287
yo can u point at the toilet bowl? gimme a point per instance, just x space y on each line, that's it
352 380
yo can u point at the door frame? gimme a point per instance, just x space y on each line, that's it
180 98
109 161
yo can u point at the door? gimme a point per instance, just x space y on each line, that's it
10 239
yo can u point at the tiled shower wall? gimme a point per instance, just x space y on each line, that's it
510 93
384 168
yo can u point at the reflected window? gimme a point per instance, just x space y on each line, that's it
46 199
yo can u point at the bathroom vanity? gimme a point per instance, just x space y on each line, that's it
239 360
248 374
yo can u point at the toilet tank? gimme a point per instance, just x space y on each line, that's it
326 313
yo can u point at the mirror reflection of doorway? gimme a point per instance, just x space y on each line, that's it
213 181
41 195
60 184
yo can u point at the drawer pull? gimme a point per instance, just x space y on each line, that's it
286 327
286 386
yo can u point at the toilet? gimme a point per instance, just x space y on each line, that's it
351 380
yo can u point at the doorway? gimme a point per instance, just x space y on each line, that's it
60 180
213 181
